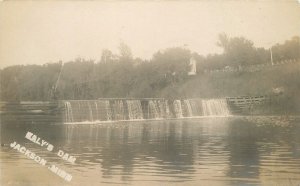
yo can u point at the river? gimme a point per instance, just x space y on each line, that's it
206 151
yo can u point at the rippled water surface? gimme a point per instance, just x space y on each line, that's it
216 151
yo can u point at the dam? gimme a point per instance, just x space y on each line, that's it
140 109
132 109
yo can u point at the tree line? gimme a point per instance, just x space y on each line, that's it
122 75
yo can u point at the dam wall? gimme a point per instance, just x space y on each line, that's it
132 109
118 109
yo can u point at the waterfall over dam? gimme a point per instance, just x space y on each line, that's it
116 109
103 110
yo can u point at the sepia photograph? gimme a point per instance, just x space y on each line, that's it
150 92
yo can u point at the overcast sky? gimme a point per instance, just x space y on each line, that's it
40 32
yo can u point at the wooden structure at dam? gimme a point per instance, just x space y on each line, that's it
31 111
248 104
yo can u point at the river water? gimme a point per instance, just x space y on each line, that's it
207 151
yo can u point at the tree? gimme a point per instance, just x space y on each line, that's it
107 56
289 50
173 60
10 83
125 53
237 50
223 42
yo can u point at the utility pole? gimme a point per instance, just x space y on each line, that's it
54 88
271 56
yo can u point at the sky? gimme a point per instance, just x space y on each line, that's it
39 32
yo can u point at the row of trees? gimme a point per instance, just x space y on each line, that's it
121 75
239 51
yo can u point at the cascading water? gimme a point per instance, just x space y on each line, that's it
215 107
102 110
161 109
108 111
122 109
118 110
68 112
196 107
134 109
188 108
164 110
96 106
168 112
178 109
90 111
87 110
153 110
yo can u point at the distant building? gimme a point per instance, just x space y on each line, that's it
193 68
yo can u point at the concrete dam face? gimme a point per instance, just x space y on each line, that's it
120 109
141 109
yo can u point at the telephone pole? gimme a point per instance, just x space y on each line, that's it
271 56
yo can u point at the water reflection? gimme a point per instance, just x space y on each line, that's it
204 151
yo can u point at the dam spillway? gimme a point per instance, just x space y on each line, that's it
133 109
102 110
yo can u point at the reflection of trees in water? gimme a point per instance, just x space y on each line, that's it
155 146
211 149
173 147
257 151
244 156
122 147
11 132
165 148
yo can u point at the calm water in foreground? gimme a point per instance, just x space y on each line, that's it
219 151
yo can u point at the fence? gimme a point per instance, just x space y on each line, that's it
253 68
